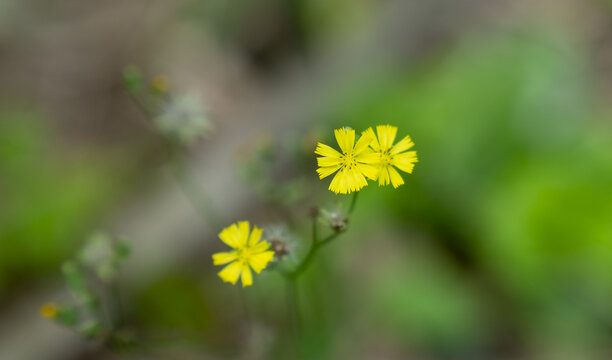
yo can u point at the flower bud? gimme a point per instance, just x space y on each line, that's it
49 310
336 219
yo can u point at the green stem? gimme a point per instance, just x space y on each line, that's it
353 202
247 313
292 276
310 256
315 244
294 301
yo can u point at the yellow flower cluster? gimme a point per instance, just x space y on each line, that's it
373 157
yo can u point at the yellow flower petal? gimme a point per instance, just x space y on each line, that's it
328 151
224 257
358 180
405 161
246 277
326 171
329 161
383 176
231 272
368 157
243 229
259 247
374 143
348 181
364 141
396 178
403 145
259 261
230 236
345 138
370 171
386 136
339 183
255 236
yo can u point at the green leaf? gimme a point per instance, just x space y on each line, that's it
132 79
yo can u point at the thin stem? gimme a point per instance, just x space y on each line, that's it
293 276
314 247
289 301
294 318
293 286
309 256
245 307
353 202
315 244
314 232
329 239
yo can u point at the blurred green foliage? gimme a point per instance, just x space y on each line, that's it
90 277
501 237
175 301
426 304
514 182
49 196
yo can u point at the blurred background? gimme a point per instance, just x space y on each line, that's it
499 245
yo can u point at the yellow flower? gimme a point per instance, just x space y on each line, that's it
390 156
48 310
159 84
248 253
354 164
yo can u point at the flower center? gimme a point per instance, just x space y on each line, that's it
348 160
244 254
385 157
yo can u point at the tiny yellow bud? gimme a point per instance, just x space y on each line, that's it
159 84
48 310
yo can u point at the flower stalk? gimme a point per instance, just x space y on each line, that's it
316 244
293 276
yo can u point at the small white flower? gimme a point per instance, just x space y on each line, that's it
183 118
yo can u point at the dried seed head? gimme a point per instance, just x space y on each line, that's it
336 219
279 247
281 241
338 223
